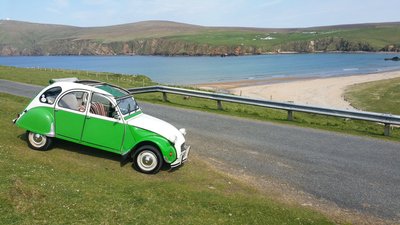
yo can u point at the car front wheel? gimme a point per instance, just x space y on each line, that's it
38 141
147 159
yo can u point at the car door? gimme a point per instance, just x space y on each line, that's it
103 128
70 114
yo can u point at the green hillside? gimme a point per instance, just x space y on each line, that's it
171 38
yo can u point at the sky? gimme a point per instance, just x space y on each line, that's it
250 13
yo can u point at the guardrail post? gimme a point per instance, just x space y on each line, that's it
164 97
290 115
219 105
387 129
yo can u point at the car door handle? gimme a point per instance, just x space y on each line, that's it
88 117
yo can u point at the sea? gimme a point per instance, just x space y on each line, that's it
184 70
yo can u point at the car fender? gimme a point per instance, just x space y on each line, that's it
143 137
39 120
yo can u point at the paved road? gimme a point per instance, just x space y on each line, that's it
356 173
21 89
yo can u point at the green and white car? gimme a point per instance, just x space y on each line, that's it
102 116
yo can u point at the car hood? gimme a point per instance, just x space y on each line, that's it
157 126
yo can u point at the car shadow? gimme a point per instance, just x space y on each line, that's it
171 170
86 150
80 149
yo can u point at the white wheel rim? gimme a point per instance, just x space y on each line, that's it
37 140
147 160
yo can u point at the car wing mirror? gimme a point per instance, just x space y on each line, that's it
116 116
43 99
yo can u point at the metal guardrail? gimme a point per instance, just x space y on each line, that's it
386 119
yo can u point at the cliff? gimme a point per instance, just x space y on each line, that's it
169 38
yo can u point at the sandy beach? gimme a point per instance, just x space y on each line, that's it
325 92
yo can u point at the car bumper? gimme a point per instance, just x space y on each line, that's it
184 157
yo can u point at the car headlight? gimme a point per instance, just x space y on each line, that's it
183 131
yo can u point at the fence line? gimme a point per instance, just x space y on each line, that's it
386 119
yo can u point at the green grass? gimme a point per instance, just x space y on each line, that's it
376 37
41 76
378 96
237 38
73 184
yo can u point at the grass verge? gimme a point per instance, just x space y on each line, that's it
73 184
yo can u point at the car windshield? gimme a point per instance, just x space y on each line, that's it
127 105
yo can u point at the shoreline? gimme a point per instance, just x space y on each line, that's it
315 91
210 55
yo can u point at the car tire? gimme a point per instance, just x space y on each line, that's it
147 159
38 141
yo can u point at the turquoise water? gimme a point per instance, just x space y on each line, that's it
194 70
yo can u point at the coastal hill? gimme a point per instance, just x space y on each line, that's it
171 38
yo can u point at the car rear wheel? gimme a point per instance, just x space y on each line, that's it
147 159
38 141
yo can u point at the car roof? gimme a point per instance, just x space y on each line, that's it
95 86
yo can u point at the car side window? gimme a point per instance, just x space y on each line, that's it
100 105
50 95
75 100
